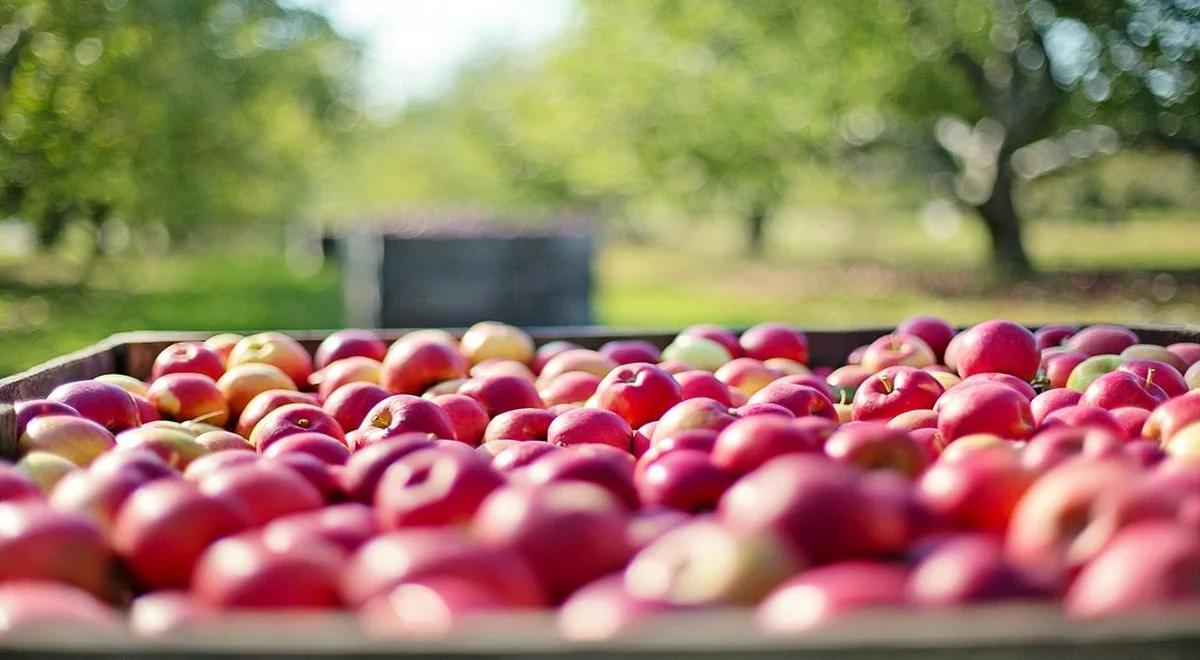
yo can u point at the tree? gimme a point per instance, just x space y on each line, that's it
184 113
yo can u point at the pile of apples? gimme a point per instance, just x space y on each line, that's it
422 485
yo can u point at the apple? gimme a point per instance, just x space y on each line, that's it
1159 373
706 563
1183 443
346 526
76 439
349 343
976 490
1119 389
824 594
1188 352
242 383
969 568
40 543
751 409
895 390
702 384
35 604
103 403
1052 335
630 351
873 446
262 491
855 356
350 404
412 367
698 352
361 475
1081 416
489 339
1144 453
897 349
997 347
750 442
175 447
44 469
685 479
913 420
164 526
576 359
1060 443
720 334
818 506
430 334
934 331
164 613
188 357
747 374
1192 377
775 340
1102 340
571 387
609 468
700 439
1087 371
345 371
1147 565
319 445
1050 401
467 416
585 425
638 393
604 609
801 400
299 418
1169 418
189 396
430 608
15 485
243 571
1132 421
429 487
200 468
549 350
130 384
573 532
1155 353
139 462
408 555
1058 367
846 380
266 402
222 344
498 367
984 408
276 349
498 394
34 408
1007 380
793 368
520 424
520 454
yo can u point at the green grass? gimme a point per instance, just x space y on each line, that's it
821 270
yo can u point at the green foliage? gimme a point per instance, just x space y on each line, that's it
182 113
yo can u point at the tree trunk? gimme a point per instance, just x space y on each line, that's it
756 226
1003 224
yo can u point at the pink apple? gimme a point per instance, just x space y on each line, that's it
433 487
1159 373
404 413
775 340
350 404
188 396
1058 444
1132 421
630 351
1102 340
37 604
33 408
969 568
1189 352
349 343
702 384
188 357
549 350
1169 418
319 445
222 344
976 491
997 347
520 454
167 612
266 402
241 384
1148 565
571 387
747 374
934 331
343 372
895 390
1050 401
1058 367
611 470
498 394
1002 379
276 349
828 593
412 367
294 418
1052 335
586 425
720 334
469 418
748 443
244 572
1080 416
605 609
40 543
1118 389
897 349
262 491
984 408
914 420
638 392
801 400
107 405
361 475
873 446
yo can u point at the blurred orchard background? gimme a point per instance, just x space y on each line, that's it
174 164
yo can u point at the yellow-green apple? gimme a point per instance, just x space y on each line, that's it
489 339
103 403
1058 444
264 403
1187 351
44 469
188 357
323 447
934 331
1160 373
519 424
698 352
984 408
401 414
349 343
571 387
692 414
216 441
628 351
639 393
705 563
825 594
40 543
997 347
356 369
1148 565
300 418
897 349
1154 352
187 396
1087 371
895 390
1051 400
411 367
176 448
549 350
499 394
587 425
747 374
976 490
350 403
469 418
702 384
1118 389
720 334
874 446
611 469
775 340
685 479
76 439
244 572
801 400
748 443
573 532
222 344
276 349
969 568
242 383
1102 340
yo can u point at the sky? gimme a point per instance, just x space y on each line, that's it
413 47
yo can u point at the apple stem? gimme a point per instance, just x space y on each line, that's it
1149 376
887 383
203 418
843 398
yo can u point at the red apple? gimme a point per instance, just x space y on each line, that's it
630 351
347 526
266 402
571 387
639 393
934 331
1132 421
978 490
1008 380
164 527
163 613
775 340
211 463
187 396
350 404
1118 389
576 359
262 491
16 486
895 390
244 572
412 367
97 496
897 349
489 339
748 443
1081 416
1101 340
872 446
914 420
1188 352
107 405
295 418
752 409
747 374
692 414
1146 566
828 593
34 604
431 487
605 609
969 568
76 439
702 384
349 343
1159 373
319 445
984 408
846 380
520 424
39 543
401 414
1050 401
241 384
1169 418
720 334
801 400
1058 367
1058 444
498 394
469 418
1052 335
188 357
222 344
276 349
587 425
997 347
521 454
549 350
343 372
142 463
361 475
685 479
498 367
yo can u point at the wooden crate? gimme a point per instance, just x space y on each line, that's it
1034 632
